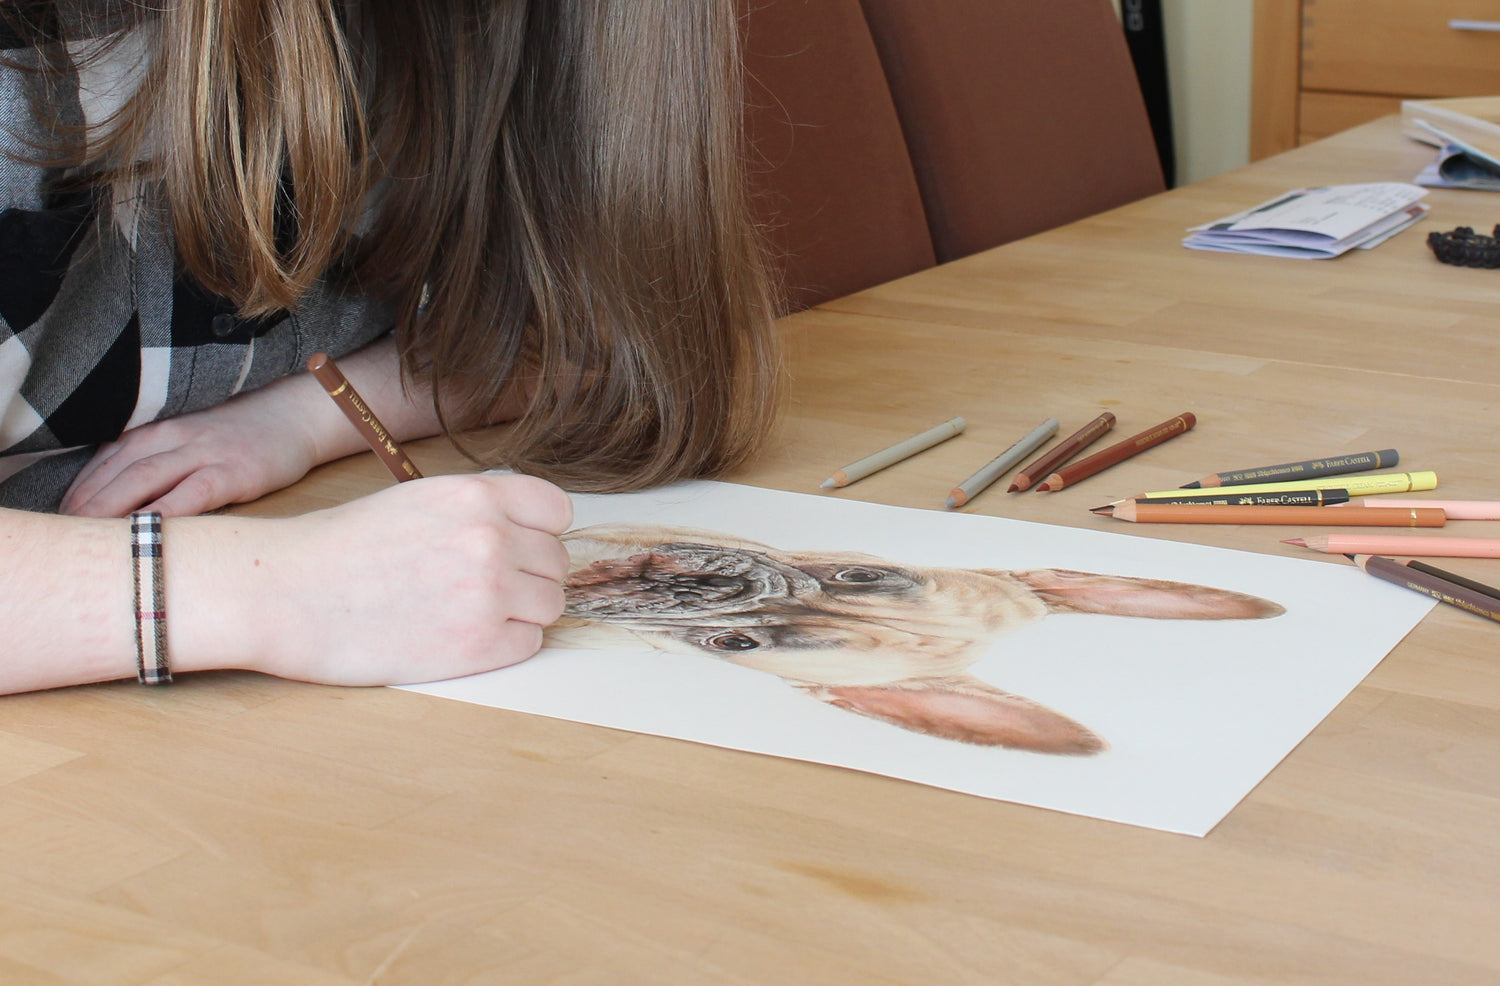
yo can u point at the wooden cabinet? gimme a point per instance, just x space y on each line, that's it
1321 66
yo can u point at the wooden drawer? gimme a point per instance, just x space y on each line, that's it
1321 114
1400 47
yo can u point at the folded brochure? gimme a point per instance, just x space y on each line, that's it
1315 222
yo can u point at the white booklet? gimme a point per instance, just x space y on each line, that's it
1315 222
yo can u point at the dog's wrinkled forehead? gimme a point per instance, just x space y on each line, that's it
687 582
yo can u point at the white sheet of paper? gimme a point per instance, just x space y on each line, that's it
1195 713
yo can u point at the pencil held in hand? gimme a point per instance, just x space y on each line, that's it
1119 452
321 365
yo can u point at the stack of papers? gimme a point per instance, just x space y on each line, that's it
1316 223
1466 132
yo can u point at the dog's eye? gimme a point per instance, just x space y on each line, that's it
858 576
731 642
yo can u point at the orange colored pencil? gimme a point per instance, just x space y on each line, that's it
1119 452
1062 452
1213 513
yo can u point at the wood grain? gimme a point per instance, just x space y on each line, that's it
235 829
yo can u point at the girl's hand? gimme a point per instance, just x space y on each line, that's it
429 579
249 446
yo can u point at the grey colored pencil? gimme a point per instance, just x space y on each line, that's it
1002 463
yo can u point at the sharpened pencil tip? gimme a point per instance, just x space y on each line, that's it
1105 511
1299 542
826 484
1194 485
950 503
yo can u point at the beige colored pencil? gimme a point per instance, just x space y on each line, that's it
877 461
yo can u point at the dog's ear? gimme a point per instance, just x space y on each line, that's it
963 708
1065 591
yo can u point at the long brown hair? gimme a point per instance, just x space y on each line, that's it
552 195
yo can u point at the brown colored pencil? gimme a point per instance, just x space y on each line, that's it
1062 452
1119 452
1203 513
1428 584
321 365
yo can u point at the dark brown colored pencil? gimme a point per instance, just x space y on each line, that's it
1062 452
1436 572
1119 452
1444 591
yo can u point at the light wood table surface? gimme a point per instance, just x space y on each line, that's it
236 829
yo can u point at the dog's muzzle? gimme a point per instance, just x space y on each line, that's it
682 581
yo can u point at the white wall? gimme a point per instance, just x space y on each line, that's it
1208 73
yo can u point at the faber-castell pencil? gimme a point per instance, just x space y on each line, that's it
1407 545
1455 509
1150 512
1062 452
1338 465
1470 584
1001 464
1225 498
877 461
1118 452
1385 482
356 410
1428 584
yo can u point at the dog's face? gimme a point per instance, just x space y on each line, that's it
885 640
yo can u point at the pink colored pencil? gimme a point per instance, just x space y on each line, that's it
1409 546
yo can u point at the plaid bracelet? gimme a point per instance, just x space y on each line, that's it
150 600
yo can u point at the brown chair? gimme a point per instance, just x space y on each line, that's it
1019 115
888 135
831 177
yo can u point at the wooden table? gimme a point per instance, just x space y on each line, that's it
236 829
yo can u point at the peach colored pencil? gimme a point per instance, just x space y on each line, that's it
1206 513
1407 545
1455 509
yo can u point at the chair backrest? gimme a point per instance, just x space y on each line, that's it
1019 115
831 177
889 135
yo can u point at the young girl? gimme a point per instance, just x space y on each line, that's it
528 211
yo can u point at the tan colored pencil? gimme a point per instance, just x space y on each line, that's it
877 461
1213 513
1062 452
